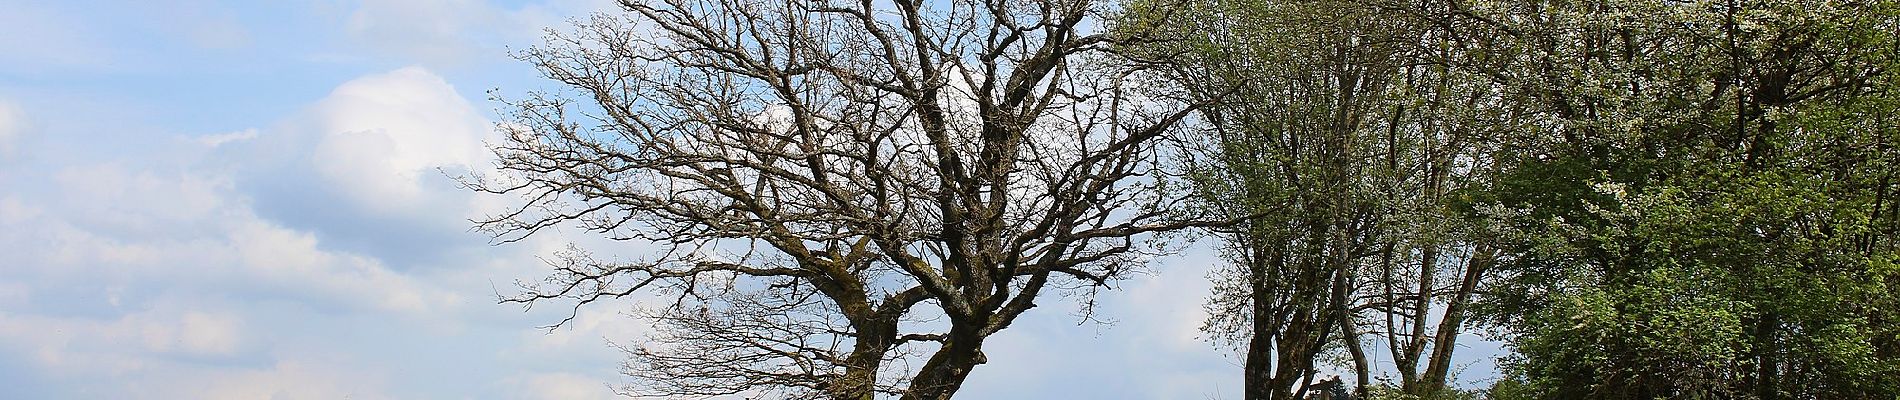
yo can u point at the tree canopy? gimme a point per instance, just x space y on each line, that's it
1642 198
848 197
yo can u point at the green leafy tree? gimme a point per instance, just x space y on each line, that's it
1706 208
1350 146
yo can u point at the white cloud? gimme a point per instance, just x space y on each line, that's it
592 330
1150 349
1168 304
153 259
161 266
109 197
129 343
107 224
139 356
228 137
202 333
291 258
381 135
561 386
163 273
291 380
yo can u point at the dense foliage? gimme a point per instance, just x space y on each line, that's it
1708 212
1651 199
1350 145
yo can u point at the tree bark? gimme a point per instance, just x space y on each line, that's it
861 367
1259 359
945 372
1348 330
1438 368
1765 359
1414 349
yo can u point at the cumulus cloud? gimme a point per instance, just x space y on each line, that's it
163 274
561 386
380 135
292 380
121 227
285 257
321 254
367 168
158 355
120 344
108 224
315 253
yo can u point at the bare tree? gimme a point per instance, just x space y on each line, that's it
838 186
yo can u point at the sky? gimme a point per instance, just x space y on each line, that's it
205 199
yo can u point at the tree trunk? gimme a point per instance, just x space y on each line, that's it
1766 361
1362 370
1421 309
944 373
1438 368
860 375
1258 381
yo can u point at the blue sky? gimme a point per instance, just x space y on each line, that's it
208 199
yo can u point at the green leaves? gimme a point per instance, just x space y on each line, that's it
1731 241
1692 199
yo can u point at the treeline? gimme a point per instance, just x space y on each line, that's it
845 199
1643 198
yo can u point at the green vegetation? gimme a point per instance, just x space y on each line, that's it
1644 198
1717 219
1649 199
